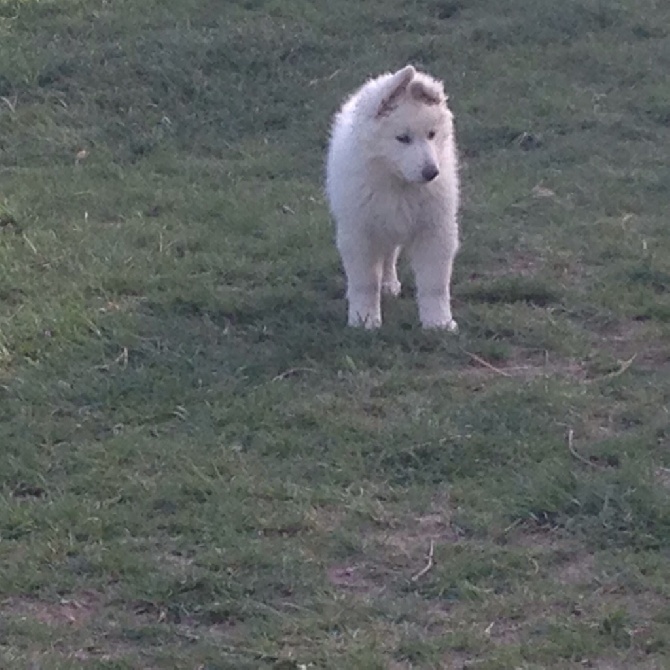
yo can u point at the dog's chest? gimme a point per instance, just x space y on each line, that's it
401 215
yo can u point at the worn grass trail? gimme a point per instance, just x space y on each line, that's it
202 468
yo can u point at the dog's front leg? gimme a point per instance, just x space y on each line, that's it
364 278
432 260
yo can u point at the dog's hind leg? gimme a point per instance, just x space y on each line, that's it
390 283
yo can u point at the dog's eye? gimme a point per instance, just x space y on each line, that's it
431 134
404 139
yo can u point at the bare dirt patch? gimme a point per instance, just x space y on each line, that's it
414 538
641 342
324 519
353 578
75 610
626 664
401 549
525 365
579 569
570 564
176 562
663 477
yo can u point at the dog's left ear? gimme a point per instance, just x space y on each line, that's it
396 87
426 94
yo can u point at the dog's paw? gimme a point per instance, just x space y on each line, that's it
367 322
450 326
391 288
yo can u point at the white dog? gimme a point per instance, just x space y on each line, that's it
392 182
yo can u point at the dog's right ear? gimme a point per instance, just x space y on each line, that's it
396 86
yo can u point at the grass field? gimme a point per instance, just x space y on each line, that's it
202 468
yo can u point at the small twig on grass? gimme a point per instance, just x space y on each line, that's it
277 661
10 103
576 454
122 358
429 563
623 366
33 248
486 364
240 652
313 82
512 526
290 372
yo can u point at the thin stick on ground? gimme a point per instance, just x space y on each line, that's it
290 372
486 364
242 652
512 526
331 76
429 563
576 454
10 103
623 366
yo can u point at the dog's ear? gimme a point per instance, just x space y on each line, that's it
394 90
426 94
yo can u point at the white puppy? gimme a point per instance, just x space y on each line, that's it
392 183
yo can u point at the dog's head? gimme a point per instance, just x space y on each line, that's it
411 124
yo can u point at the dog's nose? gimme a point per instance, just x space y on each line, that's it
429 172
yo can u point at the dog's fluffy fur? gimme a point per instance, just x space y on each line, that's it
392 183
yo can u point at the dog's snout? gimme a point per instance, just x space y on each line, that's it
429 172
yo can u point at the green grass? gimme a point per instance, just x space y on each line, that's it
203 468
